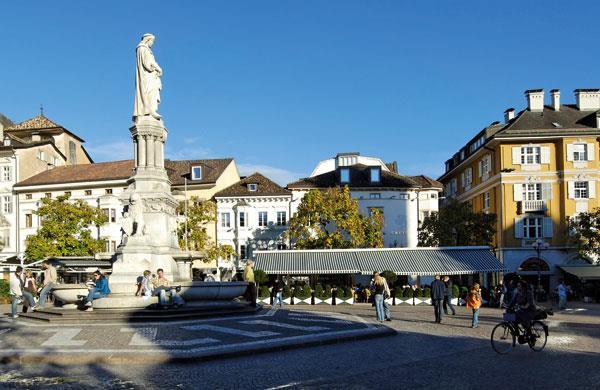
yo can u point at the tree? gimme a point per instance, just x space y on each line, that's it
584 232
332 219
457 225
65 229
199 215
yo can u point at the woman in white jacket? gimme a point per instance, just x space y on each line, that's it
16 291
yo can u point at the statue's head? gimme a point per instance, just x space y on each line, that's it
134 198
148 39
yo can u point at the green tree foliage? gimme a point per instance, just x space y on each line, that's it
200 215
66 229
584 232
457 225
264 292
331 219
260 276
390 276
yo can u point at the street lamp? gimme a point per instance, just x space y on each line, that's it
539 245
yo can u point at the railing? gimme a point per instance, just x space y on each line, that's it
533 205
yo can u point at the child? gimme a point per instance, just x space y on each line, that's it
474 302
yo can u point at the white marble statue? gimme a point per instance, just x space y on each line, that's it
136 213
147 80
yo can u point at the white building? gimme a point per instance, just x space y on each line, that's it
252 215
403 200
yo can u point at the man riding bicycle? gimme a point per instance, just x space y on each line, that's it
526 303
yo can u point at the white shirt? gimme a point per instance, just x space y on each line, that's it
15 285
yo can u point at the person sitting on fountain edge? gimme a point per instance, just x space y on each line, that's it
162 286
100 289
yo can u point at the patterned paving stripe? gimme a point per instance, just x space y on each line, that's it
146 337
285 325
234 331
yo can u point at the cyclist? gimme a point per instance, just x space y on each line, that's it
524 299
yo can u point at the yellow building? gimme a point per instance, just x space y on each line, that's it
534 171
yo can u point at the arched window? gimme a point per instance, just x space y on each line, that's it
534 264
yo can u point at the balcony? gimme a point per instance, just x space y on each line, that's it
532 206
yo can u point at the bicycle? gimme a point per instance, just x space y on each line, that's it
506 333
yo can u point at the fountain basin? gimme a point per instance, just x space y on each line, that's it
67 293
211 291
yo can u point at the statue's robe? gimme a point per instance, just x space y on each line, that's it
147 82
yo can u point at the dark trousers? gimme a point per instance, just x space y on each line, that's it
448 304
251 293
437 307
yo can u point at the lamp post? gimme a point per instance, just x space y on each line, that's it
539 245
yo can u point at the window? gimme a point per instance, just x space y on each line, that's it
532 191
107 213
7 204
41 155
344 175
486 200
530 155
72 152
281 218
242 219
243 252
6 174
88 192
485 168
28 220
252 187
225 220
28 196
532 227
262 218
48 195
375 196
281 247
108 191
113 215
55 161
468 177
6 238
197 173
581 190
68 193
580 152
6 141
375 175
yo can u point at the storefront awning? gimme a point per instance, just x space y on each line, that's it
586 272
402 261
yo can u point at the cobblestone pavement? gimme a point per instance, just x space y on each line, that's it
421 355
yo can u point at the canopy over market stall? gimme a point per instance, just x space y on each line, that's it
402 261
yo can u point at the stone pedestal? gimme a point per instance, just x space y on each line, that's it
150 224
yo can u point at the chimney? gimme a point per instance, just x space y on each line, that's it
535 99
588 99
35 137
555 99
509 115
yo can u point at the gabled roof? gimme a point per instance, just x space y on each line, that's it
178 170
427 182
360 177
550 122
122 170
40 123
4 121
265 187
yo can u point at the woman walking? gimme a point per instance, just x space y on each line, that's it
474 302
379 287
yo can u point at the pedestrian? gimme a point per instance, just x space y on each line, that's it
99 290
166 293
29 290
387 314
49 282
562 295
379 287
249 277
503 290
448 296
278 293
16 293
474 302
437 296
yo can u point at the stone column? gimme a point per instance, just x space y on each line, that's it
150 150
135 153
141 151
157 154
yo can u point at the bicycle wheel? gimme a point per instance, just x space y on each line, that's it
503 338
537 338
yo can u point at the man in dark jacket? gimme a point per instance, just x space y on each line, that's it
448 296
437 296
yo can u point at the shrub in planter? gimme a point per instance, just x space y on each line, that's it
427 292
407 293
263 292
327 291
463 292
303 292
260 276
418 293
347 293
390 277
287 292
4 291
398 292
455 291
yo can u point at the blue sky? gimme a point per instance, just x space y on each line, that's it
280 85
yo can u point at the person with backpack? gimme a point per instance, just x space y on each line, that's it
474 303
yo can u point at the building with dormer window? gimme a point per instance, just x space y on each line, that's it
534 171
404 201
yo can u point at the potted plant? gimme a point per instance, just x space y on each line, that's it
287 294
302 295
427 295
463 295
264 294
344 296
417 295
4 291
455 294
323 294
